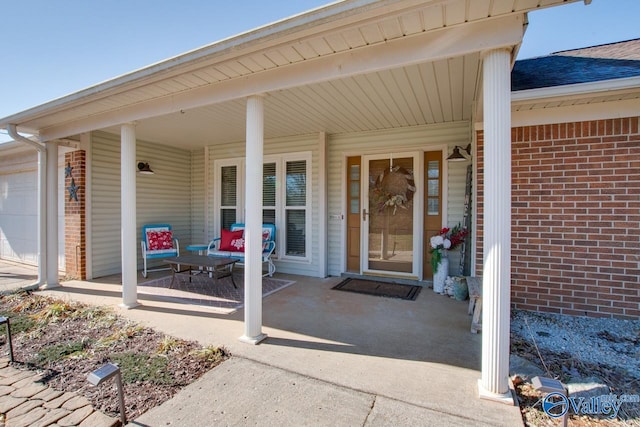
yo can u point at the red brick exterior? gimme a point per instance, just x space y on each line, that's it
74 217
575 217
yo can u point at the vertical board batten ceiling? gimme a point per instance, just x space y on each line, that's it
436 92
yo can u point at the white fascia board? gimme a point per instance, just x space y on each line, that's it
270 33
574 90
424 47
573 113
576 113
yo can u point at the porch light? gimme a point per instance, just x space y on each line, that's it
144 169
105 373
457 156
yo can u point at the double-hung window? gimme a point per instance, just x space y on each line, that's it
286 200
229 195
295 207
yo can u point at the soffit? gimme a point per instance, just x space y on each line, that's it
607 91
432 92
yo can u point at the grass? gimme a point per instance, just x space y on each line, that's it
56 352
143 367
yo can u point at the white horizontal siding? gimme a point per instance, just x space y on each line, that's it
422 138
105 204
297 144
164 197
198 179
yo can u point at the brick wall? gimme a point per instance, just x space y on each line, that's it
575 217
74 216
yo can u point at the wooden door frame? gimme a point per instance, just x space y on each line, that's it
443 148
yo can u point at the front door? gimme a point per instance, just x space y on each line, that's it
389 215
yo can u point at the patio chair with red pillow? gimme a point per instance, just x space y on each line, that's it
158 242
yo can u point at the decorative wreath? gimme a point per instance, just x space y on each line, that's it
394 188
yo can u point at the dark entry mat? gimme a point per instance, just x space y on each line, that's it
380 289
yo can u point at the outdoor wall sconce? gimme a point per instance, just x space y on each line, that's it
457 156
105 373
144 169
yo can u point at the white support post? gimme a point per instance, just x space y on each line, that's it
128 215
51 260
496 283
253 223
42 218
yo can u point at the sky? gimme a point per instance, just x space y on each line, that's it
54 48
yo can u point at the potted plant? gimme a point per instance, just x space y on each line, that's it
448 239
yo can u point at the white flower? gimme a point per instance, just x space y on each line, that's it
437 241
446 244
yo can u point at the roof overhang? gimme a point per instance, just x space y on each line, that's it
397 44
609 99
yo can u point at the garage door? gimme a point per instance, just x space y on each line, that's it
19 208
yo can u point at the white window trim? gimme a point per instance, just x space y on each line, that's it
281 210
280 160
239 162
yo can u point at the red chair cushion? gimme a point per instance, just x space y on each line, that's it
159 240
232 241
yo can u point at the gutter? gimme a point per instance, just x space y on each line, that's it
263 34
13 133
42 203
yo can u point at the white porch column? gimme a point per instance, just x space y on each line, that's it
128 215
496 283
52 216
42 218
253 223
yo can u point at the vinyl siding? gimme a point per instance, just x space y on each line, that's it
418 138
198 178
164 197
298 144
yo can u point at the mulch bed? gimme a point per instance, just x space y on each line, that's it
67 341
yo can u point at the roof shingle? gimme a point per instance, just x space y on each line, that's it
586 65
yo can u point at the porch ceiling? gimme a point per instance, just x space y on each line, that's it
351 66
435 92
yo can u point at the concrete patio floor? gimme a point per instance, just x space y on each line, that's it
418 355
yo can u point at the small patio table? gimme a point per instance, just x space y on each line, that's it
200 248
217 267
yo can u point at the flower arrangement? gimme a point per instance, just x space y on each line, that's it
448 239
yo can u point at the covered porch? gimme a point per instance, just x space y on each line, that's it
415 355
307 94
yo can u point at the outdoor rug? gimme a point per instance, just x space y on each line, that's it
220 297
380 289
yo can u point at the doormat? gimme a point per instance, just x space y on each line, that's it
379 289
220 297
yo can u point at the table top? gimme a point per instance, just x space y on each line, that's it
200 260
201 247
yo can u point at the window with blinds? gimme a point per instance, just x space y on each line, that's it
285 199
295 207
269 193
228 196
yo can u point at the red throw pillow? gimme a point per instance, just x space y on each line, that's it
266 234
232 241
159 240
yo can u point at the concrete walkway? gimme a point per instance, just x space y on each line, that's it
332 358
